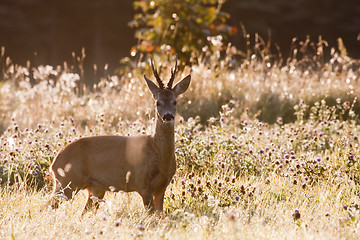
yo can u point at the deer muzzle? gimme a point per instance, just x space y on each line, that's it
168 117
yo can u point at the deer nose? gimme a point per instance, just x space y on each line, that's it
168 117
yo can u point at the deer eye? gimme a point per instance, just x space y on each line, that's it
174 102
157 103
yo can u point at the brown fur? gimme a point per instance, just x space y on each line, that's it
144 164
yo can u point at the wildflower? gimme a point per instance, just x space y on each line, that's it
140 227
296 215
242 189
232 216
233 180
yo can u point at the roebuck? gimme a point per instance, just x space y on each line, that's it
144 164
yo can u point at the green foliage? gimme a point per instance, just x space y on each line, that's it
177 26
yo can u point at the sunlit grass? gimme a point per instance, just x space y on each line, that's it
264 151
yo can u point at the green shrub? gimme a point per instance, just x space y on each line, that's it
177 26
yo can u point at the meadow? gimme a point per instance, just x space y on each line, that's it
265 149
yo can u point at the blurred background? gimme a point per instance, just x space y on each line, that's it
47 32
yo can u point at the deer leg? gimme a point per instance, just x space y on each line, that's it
93 192
159 184
148 200
59 191
159 200
54 202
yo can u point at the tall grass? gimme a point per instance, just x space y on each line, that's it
265 149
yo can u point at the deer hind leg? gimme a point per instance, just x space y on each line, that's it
96 192
60 191
54 201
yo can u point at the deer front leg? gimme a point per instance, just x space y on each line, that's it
159 184
159 199
148 200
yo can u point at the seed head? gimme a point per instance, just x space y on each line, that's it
296 215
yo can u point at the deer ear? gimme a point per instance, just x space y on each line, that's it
182 86
152 86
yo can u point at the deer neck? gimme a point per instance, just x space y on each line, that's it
164 139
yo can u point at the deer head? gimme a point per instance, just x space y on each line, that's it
165 97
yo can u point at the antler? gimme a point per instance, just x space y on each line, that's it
161 85
173 71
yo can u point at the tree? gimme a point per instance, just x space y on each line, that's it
184 27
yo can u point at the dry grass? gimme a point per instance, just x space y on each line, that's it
268 216
238 176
